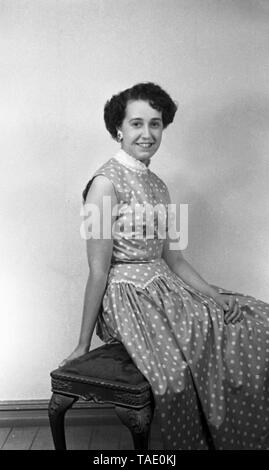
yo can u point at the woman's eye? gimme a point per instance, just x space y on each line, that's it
154 125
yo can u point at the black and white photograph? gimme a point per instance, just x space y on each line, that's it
134 228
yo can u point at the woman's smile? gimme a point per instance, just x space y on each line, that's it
145 146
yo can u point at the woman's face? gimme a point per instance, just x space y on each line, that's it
142 130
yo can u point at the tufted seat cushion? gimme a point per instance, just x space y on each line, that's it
109 362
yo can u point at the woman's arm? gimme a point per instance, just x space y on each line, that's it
181 267
99 252
176 261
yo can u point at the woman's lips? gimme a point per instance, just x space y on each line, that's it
145 145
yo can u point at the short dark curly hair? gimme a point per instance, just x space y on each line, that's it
114 111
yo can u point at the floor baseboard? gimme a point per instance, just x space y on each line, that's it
35 413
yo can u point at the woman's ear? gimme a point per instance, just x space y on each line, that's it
119 135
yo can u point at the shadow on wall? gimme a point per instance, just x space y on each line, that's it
230 142
258 9
224 175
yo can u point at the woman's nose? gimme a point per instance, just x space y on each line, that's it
146 132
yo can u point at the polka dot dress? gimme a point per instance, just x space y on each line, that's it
209 380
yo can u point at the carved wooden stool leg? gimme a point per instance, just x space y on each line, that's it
138 421
58 406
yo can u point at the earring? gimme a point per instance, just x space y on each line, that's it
119 136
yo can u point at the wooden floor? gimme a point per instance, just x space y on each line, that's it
110 437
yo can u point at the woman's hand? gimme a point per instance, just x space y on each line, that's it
78 351
232 312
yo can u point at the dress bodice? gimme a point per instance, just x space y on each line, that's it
140 226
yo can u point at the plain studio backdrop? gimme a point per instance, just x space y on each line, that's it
60 61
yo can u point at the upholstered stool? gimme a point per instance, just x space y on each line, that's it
104 375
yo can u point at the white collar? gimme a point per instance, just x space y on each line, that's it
130 162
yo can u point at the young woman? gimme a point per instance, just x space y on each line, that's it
204 350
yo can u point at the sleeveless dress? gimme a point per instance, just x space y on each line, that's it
209 380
